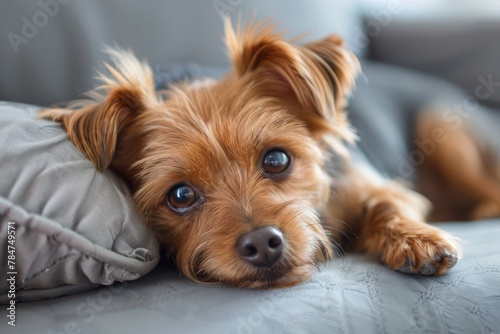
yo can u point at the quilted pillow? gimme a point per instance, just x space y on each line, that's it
75 228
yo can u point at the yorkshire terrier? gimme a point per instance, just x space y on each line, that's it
248 180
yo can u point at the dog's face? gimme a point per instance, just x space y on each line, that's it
229 174
232 193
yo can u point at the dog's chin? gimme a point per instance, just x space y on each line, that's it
276 276
273 279
283 273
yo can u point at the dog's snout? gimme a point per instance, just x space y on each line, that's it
261 247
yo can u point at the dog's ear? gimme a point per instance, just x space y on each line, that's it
95 125
318 76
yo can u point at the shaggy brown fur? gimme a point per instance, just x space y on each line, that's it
211 139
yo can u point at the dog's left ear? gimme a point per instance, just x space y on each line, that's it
103 124
317 76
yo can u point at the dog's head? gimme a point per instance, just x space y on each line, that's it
230 173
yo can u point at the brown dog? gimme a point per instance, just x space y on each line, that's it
247 181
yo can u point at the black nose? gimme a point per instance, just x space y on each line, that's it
261 247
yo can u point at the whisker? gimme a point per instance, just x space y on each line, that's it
337 248
349 228
346 236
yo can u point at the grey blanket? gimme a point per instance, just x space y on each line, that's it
353 294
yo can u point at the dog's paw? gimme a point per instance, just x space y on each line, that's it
424 251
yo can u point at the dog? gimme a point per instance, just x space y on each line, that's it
248 181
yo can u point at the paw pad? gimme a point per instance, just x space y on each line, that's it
439 264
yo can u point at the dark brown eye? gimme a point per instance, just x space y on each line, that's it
275 162
182 198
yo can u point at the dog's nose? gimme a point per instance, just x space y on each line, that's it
261 247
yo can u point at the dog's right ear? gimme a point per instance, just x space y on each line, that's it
95 125
317 77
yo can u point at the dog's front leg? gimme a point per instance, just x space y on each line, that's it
390 222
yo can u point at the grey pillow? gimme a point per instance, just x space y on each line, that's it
75 228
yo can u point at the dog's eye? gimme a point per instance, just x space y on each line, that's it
181 198
275 162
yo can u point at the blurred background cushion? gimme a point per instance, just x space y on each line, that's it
52 46
465 51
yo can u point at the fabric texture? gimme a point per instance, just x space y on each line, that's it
75 227
353 294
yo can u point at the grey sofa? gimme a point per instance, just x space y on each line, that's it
47 61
